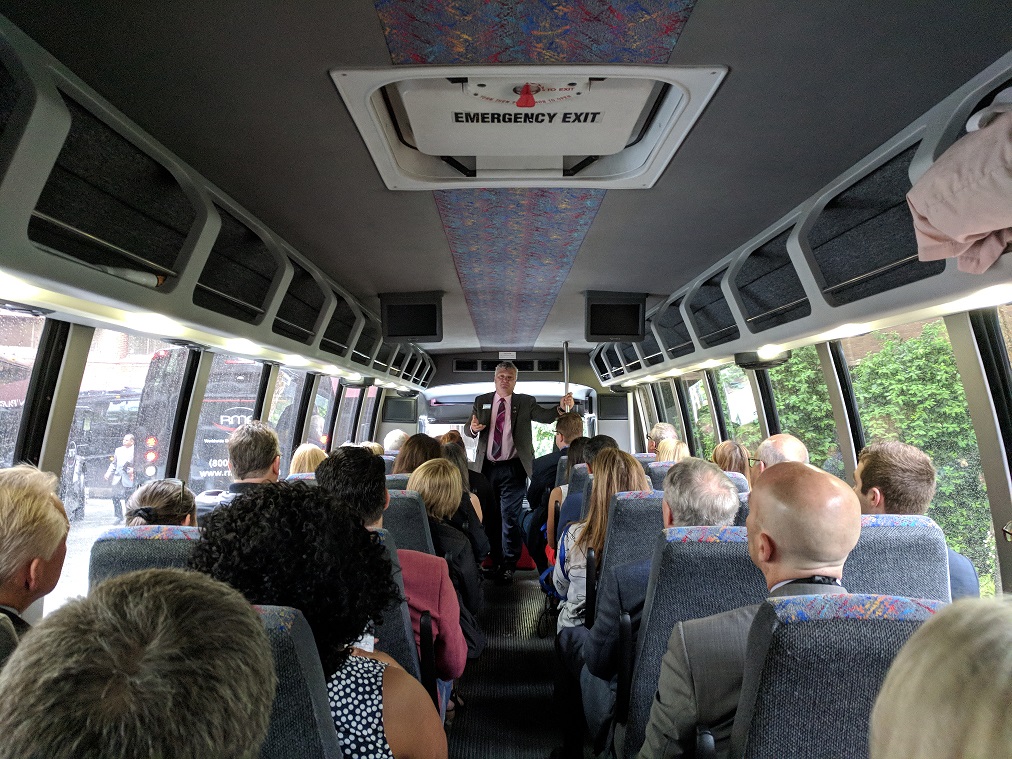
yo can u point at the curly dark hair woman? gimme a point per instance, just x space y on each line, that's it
416 450
291 544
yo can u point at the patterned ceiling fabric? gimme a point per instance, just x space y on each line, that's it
514 248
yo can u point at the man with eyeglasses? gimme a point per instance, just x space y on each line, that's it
776 449
896 478
660 431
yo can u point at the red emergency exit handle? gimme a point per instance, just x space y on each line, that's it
526 98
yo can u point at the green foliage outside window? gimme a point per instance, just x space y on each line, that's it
910 390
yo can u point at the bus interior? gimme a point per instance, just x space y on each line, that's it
205 211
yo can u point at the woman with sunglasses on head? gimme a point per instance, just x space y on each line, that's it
162 502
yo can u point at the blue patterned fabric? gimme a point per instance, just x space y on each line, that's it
657 471
151 532
851 606
706 535
513 248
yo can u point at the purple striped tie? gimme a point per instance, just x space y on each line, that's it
500 421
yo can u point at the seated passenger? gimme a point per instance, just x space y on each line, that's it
356 479
696 493
457 456
574 455
731 456
304 462
162 502
416 450
156 663
802 525
615 472
294 545
672 449
572 507
896 478
438 483
775 450
374 448
659 433
568 427
33 545
393 441
948 691
254 458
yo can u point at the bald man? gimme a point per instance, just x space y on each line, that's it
777 449
802 525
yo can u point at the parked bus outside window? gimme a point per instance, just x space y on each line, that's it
119 396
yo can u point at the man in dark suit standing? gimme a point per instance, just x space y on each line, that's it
502 423
896 478
802 525
568 427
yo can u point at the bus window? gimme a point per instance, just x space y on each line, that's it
802 402
284 407
738 403
367 417
700 421
664 392
229 401
106 453
647 409
908 388
19 340
319 413
346 411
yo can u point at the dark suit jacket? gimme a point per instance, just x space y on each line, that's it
523 410
963 580
12 627
621 589
543 478
701 675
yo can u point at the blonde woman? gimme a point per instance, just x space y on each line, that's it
438 482
672 449
615 471
162 502
948 691
731 456
305 460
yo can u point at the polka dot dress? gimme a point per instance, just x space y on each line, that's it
355 693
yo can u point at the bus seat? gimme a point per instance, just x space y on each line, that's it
394 635
578 478
560 471
634 519
741 482
407 521
397 481
388 462
128 549
899 555
819 661
645 459
656 471
696 572
301 724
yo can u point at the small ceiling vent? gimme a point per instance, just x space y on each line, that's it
446 127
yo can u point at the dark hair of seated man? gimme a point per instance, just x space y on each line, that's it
158 663
357 478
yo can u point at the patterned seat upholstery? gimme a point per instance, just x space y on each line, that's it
580 482
560 471
407 521
741 482
388 462
397 481
899 555
394 635
814 665
696 572
657 471
645 459
128 549
634 520
301 723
